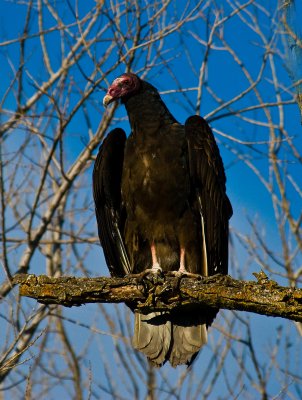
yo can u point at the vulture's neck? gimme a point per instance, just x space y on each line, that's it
148 114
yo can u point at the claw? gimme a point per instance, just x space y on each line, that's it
179 275
155 270
149 277
184 274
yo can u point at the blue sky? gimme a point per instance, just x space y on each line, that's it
231 62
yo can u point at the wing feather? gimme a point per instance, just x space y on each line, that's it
107 174
208 181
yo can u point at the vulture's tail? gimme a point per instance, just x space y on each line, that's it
164 336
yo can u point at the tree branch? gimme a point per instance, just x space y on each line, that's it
264 297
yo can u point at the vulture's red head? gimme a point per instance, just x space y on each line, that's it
122 87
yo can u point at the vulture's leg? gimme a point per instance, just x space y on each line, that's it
182 272
155 264
154 270
182 266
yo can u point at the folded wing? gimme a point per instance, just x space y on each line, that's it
110 214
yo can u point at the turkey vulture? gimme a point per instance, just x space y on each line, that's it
161 203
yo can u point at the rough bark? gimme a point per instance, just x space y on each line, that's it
264 297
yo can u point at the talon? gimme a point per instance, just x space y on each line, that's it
156 269
155 274
140 278
139 275
185 274
182 272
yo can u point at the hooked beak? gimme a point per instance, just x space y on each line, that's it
107 100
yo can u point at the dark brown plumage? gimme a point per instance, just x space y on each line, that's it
161 203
